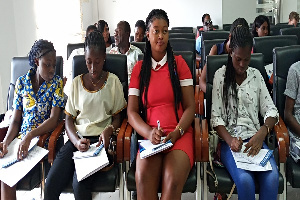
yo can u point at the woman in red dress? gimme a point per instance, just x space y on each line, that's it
161 88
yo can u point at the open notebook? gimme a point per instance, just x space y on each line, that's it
89 162
13 170
148 149
259 162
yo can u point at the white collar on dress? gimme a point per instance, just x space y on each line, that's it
161 63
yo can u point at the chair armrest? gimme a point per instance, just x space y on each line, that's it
42 139
53 139
201 103
198 144
282 137
197 103
127 142
205 141
120 141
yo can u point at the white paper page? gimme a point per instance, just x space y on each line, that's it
90 152
149 148
12 174
253 159
88 166
245 164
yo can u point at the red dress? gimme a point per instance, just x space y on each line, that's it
161 102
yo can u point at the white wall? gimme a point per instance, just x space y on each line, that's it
8 47
180 13
287 6
233 9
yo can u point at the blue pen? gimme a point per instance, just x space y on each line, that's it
98 150
159 146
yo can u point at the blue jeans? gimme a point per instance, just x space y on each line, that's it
245 180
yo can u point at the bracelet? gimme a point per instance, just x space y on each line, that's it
113 128
181 131
268 128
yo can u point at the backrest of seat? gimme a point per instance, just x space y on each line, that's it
182 27
183 44
265 45
226 27
206 47
211 35
214 26
140 45
283 57
275 29
19 67
181 31
182 35
214 62
71 47
291 31
115 63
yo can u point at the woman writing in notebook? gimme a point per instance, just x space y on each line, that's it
92 115
161 88
37 104
239 94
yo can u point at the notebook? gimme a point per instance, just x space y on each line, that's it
13 173
88 163
148 149
92 151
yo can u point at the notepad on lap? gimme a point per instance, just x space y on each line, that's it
148 149
14 173
88 164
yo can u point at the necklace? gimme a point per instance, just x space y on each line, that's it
95 84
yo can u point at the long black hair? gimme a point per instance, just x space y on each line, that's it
146 68
259 20
39 49
240 37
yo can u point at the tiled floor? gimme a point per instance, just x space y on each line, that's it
292 193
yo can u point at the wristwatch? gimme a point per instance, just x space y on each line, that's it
181 131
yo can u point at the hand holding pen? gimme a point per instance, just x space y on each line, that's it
3 149
82 144
156 134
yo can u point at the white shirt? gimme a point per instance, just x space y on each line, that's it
253 97
132 57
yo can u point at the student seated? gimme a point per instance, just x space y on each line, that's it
103 27
293 18
261 26
161 88
139 31
292 108
93 111
239 94
207 26
219 49
37 104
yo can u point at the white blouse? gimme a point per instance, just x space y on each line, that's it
252 97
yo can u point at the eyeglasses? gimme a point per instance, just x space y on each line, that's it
208 23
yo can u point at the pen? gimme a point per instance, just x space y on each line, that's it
161 145
98 150
79 135
158 125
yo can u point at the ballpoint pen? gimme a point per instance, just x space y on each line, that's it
158 125
98 150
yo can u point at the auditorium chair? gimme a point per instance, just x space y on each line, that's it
211 35
140 45
265 45
224 180
181 31
275 29
206 47
183 28
291 31
182 35
71 47
284 57
226 27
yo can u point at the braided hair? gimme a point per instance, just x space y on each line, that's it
146 68
240 37
39 49
95 40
